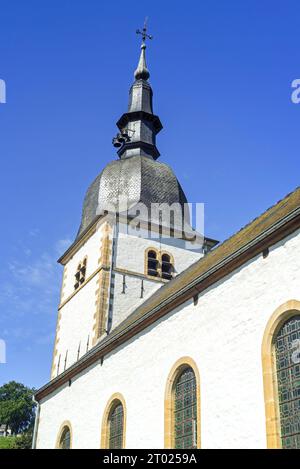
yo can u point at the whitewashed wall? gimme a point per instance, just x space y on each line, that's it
223 334
91 249
77 315
130 256
76 321
130 253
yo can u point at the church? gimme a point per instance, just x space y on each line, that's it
166 338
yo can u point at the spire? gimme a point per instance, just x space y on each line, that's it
142 72
139 126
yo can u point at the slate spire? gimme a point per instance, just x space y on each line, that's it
142 72
139 126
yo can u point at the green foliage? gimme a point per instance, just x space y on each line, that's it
7 442
23 441
16 407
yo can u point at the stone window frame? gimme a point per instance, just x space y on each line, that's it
115 399
272 416
169 408
65 425
159 255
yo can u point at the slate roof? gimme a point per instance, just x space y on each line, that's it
138 179
274 224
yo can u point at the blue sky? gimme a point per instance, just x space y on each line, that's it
221 74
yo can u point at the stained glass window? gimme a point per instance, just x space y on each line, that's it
287 351
185 410
65 439
116 422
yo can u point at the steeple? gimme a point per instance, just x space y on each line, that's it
142 72
136 178
139 126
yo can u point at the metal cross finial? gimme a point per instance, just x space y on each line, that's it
144 31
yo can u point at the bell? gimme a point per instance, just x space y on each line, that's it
121 139
116 143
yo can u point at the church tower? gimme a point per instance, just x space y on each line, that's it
134 237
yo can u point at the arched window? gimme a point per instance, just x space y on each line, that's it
159 264
281 376
152 264
287 357
166 266
116 422
80 274
182 406
64 441
185 410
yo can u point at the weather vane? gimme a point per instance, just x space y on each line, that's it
143 33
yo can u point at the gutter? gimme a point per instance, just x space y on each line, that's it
36 423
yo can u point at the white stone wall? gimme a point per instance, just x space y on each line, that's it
76 326
130 252
77 315
91 249
125 303
130 256
222 333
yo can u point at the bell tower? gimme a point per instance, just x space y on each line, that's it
111 269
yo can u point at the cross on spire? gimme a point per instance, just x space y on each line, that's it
142 72
144 33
